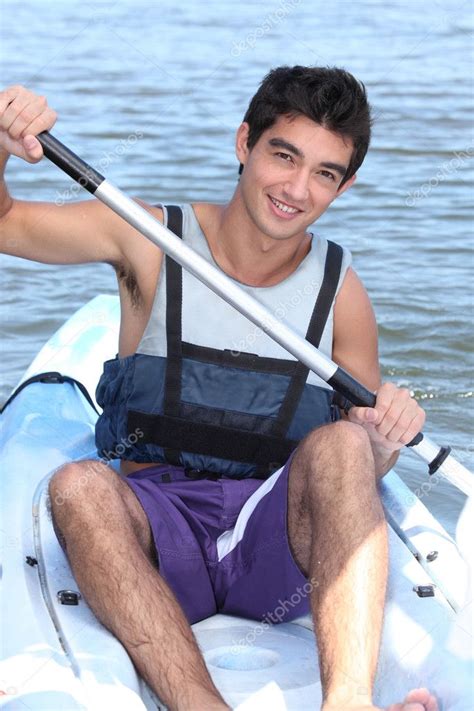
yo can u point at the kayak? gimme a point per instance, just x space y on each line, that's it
56 655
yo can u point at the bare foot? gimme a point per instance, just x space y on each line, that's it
416 700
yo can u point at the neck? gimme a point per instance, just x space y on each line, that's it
246 253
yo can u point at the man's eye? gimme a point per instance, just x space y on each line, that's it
285 156
327 174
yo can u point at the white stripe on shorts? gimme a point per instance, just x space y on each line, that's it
228 540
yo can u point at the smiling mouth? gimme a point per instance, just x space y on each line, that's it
283 207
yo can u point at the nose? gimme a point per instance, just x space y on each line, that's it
297 187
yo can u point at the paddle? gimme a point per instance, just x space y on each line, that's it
438 458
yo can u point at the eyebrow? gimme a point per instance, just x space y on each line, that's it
341 169
281 143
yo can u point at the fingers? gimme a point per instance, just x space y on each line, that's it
23 115
396 417
18 108
33 148
363 415
7 96
32 118
20 111
400 417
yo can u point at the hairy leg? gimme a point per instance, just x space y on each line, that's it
109 544
338 535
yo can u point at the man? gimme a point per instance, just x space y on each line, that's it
205 408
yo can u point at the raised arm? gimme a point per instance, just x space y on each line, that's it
71 233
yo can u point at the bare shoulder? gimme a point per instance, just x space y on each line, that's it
355 342
353 301
208 215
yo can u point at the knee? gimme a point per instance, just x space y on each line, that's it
74 482
334 452
339 438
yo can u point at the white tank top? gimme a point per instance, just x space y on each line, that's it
208 320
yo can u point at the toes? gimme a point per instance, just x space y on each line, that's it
417 695
420 699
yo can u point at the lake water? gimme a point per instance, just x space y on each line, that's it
151 95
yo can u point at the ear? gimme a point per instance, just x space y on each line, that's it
241 150
347 185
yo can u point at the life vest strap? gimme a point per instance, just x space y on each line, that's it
174 301
211 440
319 317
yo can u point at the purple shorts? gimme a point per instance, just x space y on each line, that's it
222 545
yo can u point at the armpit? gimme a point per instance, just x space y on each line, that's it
127 277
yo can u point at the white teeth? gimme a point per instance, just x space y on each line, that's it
282 207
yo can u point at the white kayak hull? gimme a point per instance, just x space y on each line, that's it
59 657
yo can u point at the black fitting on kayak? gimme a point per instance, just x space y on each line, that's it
424 590
68 597
439 459
56 379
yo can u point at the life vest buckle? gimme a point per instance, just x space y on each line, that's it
200 474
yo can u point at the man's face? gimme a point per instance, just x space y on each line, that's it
291 175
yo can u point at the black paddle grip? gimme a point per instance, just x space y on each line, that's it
71 164
352 390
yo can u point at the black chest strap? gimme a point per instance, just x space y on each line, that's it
174 308
319 317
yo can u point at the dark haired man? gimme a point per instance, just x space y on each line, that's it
190 527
